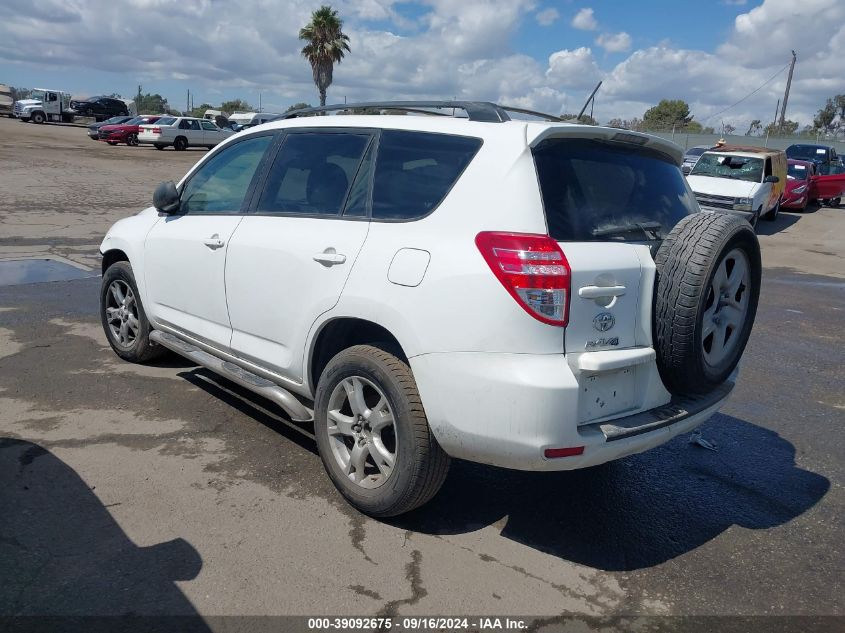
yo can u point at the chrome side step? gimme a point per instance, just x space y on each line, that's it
263 387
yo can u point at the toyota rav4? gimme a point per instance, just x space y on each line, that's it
529 294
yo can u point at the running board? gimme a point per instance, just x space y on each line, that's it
263 387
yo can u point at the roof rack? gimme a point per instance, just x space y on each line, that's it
476 110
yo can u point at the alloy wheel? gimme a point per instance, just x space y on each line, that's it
362 431
122 314
726 307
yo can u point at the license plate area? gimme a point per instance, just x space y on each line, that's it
607 393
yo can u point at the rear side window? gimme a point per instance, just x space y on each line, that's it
166 120
604 191
415 171
312 173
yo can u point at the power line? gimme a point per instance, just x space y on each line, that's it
749 94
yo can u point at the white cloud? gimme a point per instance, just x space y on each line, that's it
584 20
573 69
547 17
444 49
614 42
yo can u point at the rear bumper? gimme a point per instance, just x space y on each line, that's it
507 409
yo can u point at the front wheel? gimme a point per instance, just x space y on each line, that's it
373 435
772 215
122 315
38 118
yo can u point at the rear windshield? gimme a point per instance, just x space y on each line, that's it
811 152
602 191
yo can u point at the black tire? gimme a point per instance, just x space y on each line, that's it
112 143
132 140
180 144
687 262
141 349
420 464
834 202
37 117
159 146
772 215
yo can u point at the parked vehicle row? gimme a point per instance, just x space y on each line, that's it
181 133
126 132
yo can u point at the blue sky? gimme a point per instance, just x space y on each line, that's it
525 52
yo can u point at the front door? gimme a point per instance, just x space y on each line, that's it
290 257
185 253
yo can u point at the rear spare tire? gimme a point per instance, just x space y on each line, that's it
705 300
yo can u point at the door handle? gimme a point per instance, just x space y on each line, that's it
329 257
214 242
594 292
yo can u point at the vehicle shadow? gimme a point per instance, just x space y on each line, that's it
62 554
636 512
784 220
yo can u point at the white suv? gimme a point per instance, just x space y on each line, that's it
529 294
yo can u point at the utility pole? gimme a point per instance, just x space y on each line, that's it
188 102
775 120
786 92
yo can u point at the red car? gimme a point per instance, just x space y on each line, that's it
125 132
800 188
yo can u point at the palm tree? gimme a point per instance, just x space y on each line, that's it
327 44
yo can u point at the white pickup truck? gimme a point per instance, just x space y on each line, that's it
182 132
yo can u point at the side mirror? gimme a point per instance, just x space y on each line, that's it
772 179
166 197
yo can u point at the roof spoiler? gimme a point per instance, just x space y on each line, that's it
569 130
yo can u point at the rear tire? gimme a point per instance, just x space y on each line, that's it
123 318
180 144
159 146
705 300
112 142
368 413
132 141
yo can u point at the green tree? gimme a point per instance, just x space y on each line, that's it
825 119
668 114
326 45
754 128
585 119
199 111
298 106
787 129
151 104
18 93
236 105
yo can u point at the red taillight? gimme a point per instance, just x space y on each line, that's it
155 130
569 451
533 269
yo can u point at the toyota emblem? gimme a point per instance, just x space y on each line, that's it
603 321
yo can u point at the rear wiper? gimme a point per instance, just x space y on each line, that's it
651 230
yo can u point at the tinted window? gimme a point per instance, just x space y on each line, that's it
648 195
206 125
312 173
415 170
166 120
221 184
358 201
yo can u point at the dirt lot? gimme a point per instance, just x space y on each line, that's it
164 490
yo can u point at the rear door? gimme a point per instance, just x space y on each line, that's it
607 204
185 253
289 259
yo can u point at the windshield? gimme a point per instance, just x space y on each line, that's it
729 166
36 94
648 197
812 152
797 172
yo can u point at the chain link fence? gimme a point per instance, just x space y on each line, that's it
775 142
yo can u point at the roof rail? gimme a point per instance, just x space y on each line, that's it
475 110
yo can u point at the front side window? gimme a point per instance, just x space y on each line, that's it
312 173
596 190
207 125
221 184
415 171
